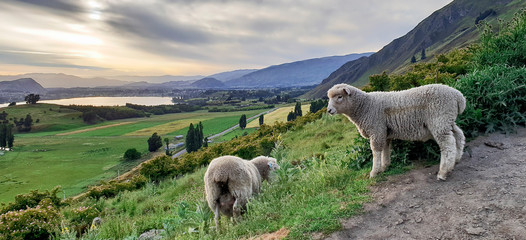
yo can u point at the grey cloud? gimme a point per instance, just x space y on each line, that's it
63 5
147 24
40 60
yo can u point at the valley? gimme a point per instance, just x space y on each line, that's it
75 155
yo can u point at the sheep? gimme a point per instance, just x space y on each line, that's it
230 181
417 114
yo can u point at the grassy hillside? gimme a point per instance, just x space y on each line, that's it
450 27
312 191
52 156
51 117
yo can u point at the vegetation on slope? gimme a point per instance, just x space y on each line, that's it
313 189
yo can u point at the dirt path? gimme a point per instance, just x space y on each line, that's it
484 198
92 129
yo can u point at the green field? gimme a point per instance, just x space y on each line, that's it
44 159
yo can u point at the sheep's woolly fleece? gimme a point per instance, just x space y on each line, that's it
417 114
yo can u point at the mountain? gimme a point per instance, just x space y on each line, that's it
157 79
60 80
207 83
453 26
23 85
226 76
300 73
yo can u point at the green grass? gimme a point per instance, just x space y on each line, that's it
313 190
56 119
43 160
236 133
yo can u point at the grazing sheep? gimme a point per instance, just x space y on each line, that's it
417 114
230 181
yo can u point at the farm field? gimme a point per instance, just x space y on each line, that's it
75 159
280 115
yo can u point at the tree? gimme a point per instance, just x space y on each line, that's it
243 122
190 139
315 106
167 141
3 116
89 117
423 54
261 120
199 136
32 98
3 136
291 116
297 110
154 142
205 142
132 154
12 104
10 136
28 122
413 59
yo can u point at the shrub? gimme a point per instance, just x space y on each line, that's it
113 187
32 199
81 218
132 154
496 99
38 222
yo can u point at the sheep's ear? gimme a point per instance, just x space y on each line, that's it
347 90
270 164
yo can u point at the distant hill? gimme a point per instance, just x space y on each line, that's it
157 79
60 80
300 73
227 76
23 85
451 27
207 83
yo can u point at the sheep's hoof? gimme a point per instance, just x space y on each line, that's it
372 174
441 177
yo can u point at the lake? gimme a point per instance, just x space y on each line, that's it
106 101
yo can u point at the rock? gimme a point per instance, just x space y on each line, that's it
154 234
475 231
497 145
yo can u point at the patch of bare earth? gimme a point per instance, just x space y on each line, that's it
92 129
280 234
483 198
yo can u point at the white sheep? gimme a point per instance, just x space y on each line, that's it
417 114
230 181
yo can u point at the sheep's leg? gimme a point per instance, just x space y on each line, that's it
216 217
377 147
448 151
239 204
386 156
460 140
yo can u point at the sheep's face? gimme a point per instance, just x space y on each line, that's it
272 164
338 98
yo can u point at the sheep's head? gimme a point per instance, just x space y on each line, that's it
265 165
339 98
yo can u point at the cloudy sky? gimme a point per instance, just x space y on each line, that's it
193 37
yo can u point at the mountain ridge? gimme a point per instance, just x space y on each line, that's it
299 73
452 26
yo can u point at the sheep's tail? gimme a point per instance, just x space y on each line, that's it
461 101
221 176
